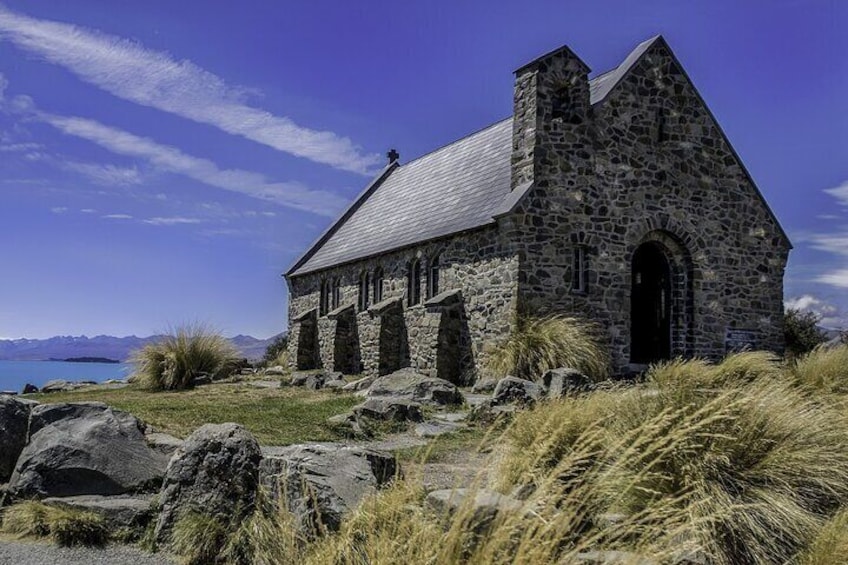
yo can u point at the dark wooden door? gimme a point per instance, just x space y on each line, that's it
650 305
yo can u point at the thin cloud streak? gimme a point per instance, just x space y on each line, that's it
129 70
108 175
171 159
171 221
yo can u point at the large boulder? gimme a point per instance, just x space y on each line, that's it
359 384
512 390
215 472
320 484
14 421
85 448
564 381
407 383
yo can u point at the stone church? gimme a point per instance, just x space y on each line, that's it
617 198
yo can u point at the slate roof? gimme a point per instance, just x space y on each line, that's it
459 187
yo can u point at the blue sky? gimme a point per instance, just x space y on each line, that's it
163 161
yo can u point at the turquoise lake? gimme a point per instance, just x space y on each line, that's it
15 374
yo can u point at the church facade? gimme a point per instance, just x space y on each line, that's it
616 198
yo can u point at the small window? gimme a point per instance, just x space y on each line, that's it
378 285
324 298
433 277
414 283
337 292
578 269
662 134
363 291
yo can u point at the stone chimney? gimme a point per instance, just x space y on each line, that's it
551 115
392 156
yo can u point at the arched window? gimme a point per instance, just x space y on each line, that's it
414 283
363 291
433 277
378 285
337 292
324 298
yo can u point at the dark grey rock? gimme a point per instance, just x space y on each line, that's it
316 381
337 384
85 448
483 505
389 409
436 429
512 390
320 484
299 378
215 472
30 389
407 383
14 422
564 381
163 443
8 393
118 512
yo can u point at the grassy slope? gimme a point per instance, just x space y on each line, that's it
274 416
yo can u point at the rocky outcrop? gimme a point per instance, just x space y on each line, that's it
408 384
127 513
564 381
320 484
14 421
85 448
215 472
359 384
512 390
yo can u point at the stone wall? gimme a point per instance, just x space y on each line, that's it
647 164
462 326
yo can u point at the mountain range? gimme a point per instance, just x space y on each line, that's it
110 347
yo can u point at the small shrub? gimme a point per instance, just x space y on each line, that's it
175 361
275 349
824 369
199 539
65 526
539 344
801 332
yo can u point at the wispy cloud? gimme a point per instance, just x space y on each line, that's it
172 221
171 159
117 217
59 209
152 78
838 278
18 147
840 192
106 174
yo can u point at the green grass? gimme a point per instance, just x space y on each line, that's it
275 416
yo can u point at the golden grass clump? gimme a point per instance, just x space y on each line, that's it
824 369
537 345
65 526
188 352
830 546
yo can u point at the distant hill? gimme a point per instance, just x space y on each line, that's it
64 347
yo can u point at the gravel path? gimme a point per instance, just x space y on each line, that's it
45 553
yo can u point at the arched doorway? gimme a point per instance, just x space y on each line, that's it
650 304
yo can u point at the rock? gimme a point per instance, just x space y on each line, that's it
613 558
30 389
406 383
359 384
215 472
62 386
512 390
320 484
201 380
316 381
247 371
163 443
485 384
85 448
484 506
118 512
564 381
115 382
389 409
14 422
299 378
436 429
487 412
8 393
277 370
337 384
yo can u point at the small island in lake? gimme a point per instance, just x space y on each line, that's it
87 360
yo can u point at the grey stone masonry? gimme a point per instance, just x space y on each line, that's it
625 204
